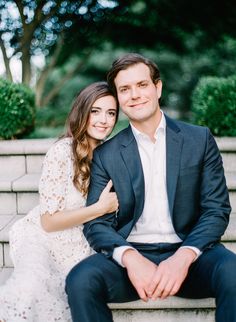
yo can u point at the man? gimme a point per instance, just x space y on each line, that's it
173 209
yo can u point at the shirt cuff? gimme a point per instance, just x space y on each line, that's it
118 253
195 249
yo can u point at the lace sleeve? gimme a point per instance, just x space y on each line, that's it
57 171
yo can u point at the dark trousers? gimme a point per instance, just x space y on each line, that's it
96 281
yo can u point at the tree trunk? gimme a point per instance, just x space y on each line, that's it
26 66
6 60
56 89
40 85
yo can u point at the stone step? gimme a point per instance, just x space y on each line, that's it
172 309
19 157
27 182
20 164
226 144
229 161
160 315
20 202
27 146
19 195
231 180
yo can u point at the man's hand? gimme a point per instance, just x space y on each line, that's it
140 271
170 274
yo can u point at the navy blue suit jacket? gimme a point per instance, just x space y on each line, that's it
197 193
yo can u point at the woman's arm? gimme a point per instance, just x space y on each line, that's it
64 219
56 175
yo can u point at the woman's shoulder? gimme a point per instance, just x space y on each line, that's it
60 148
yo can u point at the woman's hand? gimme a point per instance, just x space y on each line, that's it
108 201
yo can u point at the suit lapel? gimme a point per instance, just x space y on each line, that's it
174 143
130 155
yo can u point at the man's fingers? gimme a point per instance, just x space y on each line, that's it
163 291
153 283
142 294
166 291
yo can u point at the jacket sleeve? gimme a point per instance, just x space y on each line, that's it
101 232
214 200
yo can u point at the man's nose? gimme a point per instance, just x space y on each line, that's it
135 93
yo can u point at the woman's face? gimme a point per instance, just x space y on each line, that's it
102 118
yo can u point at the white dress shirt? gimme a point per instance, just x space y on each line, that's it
154 224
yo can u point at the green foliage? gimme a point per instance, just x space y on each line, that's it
17 110
51 117
214 105
45 132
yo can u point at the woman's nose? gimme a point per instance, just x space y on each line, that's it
103 118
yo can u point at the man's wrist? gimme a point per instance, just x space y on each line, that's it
188 253
126 255
118 253
194 249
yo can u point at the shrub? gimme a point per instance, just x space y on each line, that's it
214 105
17 110
51 116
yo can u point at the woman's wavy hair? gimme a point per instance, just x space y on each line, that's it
76 128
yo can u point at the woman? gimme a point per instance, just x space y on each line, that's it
49 241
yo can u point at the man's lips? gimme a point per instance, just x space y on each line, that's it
138 104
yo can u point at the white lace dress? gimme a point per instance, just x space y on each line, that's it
35 290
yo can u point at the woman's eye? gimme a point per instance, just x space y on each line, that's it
111 113
94 111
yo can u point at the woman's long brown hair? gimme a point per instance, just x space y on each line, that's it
76 128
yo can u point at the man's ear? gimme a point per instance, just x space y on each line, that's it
159 88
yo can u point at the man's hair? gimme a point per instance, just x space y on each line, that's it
125 62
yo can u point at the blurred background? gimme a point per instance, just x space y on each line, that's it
57 47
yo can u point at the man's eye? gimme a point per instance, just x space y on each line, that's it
143 85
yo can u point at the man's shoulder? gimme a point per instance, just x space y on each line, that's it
115 141
187 128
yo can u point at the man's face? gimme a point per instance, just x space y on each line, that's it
137 94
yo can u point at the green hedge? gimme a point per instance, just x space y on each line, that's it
214 105
17 110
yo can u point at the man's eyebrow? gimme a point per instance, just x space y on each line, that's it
121 86
139 82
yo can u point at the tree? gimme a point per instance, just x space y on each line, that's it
67 32
53 29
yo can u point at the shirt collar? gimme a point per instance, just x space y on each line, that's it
161 127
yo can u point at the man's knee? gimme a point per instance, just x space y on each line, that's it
85 279
225 274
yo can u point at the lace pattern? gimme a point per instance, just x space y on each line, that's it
35 290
